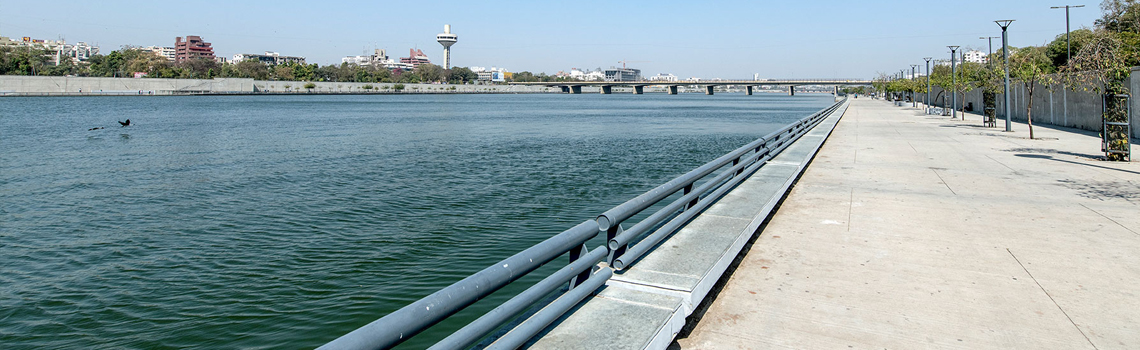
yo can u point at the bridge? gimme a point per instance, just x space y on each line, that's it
575 87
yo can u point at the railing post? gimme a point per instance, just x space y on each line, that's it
610 234
693 202
575 254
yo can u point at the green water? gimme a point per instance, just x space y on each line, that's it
285 222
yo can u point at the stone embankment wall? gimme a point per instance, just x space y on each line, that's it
14 85
1053 105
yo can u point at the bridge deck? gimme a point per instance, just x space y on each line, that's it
774 82
912 231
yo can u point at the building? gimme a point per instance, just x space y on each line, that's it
974 56
446 39
622 74
415 58
58 50
269 58
578 74
192 48
79 52
492 74
663 77
379 58
164 51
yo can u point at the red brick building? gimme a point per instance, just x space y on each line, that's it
192 48
415 58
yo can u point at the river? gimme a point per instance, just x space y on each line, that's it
286 221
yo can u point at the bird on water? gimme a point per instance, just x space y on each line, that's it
126 123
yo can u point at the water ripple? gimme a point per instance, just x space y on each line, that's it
284 222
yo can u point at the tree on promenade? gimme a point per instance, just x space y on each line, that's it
1032 66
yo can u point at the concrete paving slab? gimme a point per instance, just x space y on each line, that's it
639 315
914 231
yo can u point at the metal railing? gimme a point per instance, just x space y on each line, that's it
741 163
583 273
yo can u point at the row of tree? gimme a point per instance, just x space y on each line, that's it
1101 61
128 61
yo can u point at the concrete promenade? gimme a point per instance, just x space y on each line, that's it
912 231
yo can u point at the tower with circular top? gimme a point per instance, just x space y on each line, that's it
446 39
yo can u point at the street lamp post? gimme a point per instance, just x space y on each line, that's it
1068 55
953 82
1004 24
927 83
991 52
913 101
1068 48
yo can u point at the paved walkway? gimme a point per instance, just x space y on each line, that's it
912 231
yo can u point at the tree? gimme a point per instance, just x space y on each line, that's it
524 77
22 60
1120 16
1032 66
460 75
283 72
429 72
251 69
1103 62
1058 52
197 68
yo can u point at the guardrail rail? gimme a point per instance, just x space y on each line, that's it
585 273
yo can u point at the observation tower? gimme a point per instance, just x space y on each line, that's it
446 39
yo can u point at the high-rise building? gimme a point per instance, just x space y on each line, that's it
446 39
164 51
415 58
192 48
622 74
974 56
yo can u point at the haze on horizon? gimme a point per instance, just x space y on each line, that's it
721 39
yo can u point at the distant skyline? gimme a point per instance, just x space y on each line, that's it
718 39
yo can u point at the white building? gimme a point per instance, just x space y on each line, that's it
79 52
663 77
974 56
58 50
489 74
164 51
578 74
269 58
378 58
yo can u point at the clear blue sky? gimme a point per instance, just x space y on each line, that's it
708 39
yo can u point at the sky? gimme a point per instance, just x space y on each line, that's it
800 39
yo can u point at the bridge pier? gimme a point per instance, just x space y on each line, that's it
709 89
607 89
576 89
672 89
791 90
836 93
748 90
565 89
638 89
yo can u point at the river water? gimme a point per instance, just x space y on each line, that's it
286 221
